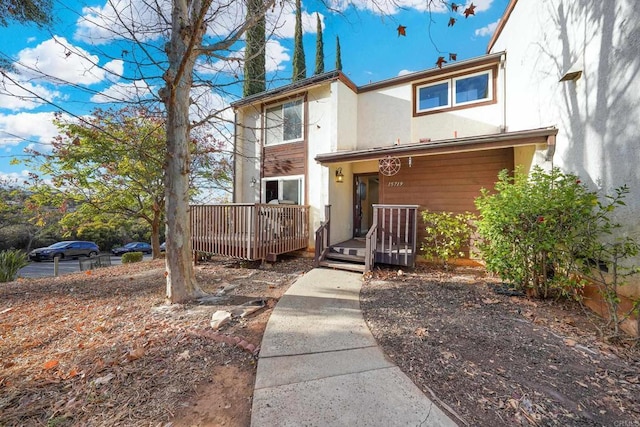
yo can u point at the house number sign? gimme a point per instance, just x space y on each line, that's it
395 183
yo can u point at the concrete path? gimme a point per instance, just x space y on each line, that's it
320 366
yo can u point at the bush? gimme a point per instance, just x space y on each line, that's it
533 227
446 235
132 257
10 262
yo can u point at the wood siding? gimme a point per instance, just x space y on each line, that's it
283 160
447 182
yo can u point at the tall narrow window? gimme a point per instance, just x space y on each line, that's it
284 122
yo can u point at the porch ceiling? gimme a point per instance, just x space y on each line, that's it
474 143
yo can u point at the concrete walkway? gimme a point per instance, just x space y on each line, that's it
320 366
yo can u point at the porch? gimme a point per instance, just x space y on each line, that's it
249 231
391 239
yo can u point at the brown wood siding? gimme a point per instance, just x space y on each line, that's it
284 159
449 182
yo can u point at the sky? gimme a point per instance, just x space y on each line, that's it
83 61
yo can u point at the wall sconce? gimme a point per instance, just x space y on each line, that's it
339 175
254 181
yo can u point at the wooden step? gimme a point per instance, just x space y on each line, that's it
345 257
338 265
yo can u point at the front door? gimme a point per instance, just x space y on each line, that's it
365 195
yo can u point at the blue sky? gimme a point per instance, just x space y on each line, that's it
78 64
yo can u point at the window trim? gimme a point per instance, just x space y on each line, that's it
280 104
451 80
281 179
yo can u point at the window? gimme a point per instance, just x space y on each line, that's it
289 189
284 123
468 89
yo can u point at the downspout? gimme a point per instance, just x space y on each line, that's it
503 66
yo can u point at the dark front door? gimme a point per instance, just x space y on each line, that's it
365 195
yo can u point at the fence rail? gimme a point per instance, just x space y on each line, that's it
249 231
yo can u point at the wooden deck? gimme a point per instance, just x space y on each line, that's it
249 231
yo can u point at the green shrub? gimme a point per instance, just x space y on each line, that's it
446 235
132 257
11 261
533 227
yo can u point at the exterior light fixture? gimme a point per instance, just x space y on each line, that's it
339 175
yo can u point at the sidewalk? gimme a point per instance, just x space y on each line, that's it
320 366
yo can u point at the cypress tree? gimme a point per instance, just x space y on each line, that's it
338 57
319 47
299 67
254 53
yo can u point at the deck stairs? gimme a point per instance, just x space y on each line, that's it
349 256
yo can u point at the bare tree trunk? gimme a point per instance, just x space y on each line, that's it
185 35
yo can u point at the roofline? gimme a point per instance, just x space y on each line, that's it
339 75
476 61
501 24
473 143
296 87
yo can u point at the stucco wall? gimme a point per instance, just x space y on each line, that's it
598 116
247 156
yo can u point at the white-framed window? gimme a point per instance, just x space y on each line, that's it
285 189
284 122
455 91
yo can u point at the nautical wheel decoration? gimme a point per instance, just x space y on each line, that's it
389 166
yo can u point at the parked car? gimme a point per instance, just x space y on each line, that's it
163 247
65 250
132 247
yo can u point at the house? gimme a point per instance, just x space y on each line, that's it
577 68
427 140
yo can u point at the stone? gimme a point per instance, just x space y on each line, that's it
219 319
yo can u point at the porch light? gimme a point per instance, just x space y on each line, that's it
339 175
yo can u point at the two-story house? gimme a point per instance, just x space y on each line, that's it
430 140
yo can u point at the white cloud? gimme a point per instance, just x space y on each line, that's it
388 7
481 5
14 177
487 30
35 127
16 93
118 92
282 22
405 72
59 61
275 57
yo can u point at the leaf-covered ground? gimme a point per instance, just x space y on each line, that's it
101 348
497 360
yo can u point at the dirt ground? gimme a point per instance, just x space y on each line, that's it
492 359
100 348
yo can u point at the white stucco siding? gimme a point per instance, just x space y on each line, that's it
598 115
470 121
247 155
346 117
384 116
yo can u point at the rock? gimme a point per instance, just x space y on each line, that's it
219 319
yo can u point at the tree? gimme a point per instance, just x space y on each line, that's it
106 170
254 54
338 57
25 11
319 47
299 67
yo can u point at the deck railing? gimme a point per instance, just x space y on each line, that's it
323 237
249 231
392 237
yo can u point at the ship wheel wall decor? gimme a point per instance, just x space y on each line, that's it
389 166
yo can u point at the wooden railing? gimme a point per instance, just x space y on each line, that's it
249 231
323 237
392 237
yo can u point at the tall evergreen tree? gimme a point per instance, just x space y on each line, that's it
25 11
254 53
338 57
299 67
319 47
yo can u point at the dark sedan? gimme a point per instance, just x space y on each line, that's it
132 247
66 249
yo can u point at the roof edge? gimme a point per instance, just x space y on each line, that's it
501 24
491 141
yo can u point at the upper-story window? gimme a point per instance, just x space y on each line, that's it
284 122
455 91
